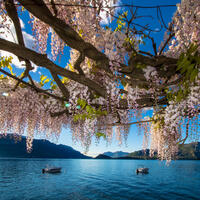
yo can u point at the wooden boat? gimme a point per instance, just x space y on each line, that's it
142 170
52 170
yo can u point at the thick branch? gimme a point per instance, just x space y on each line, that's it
127 124
54 8
63 89
65 32
57 114
78 63
12 13
158 62
43 61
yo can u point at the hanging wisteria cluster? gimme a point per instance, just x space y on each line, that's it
25 110
186 27
173 124
128 80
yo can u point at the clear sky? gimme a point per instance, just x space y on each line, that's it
134 141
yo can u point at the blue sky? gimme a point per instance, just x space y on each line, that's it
134 141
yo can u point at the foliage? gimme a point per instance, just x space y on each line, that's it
89 111
188 63
5 62
44 80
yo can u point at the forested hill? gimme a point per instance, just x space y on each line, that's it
102 156
41 149
189 151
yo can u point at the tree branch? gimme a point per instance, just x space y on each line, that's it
12 13
65 32
43 61
78 62
126 124
154 45
147 53
186 136
32 86
57 114
166 42
63 89
54 8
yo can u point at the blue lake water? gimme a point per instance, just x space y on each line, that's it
21 179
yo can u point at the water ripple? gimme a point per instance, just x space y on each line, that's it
21 179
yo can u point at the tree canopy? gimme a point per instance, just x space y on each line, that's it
109 79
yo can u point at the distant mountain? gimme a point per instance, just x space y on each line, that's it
116 154
141 154
189 151
41 149
102 156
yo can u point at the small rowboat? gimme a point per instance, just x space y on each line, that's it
142 170
51 170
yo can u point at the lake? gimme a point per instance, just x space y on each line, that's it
21 179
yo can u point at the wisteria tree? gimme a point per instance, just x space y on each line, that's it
109 81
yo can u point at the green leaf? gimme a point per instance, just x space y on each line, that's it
88 109
125 13
98 135
82 103
2 76
46 81
193 75
42 77
6 62
76 117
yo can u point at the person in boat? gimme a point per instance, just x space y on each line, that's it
51 170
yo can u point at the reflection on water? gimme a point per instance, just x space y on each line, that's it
98 180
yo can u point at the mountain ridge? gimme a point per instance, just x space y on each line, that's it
41 149
102 156
190 151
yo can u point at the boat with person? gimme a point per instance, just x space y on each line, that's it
142 170
52 170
